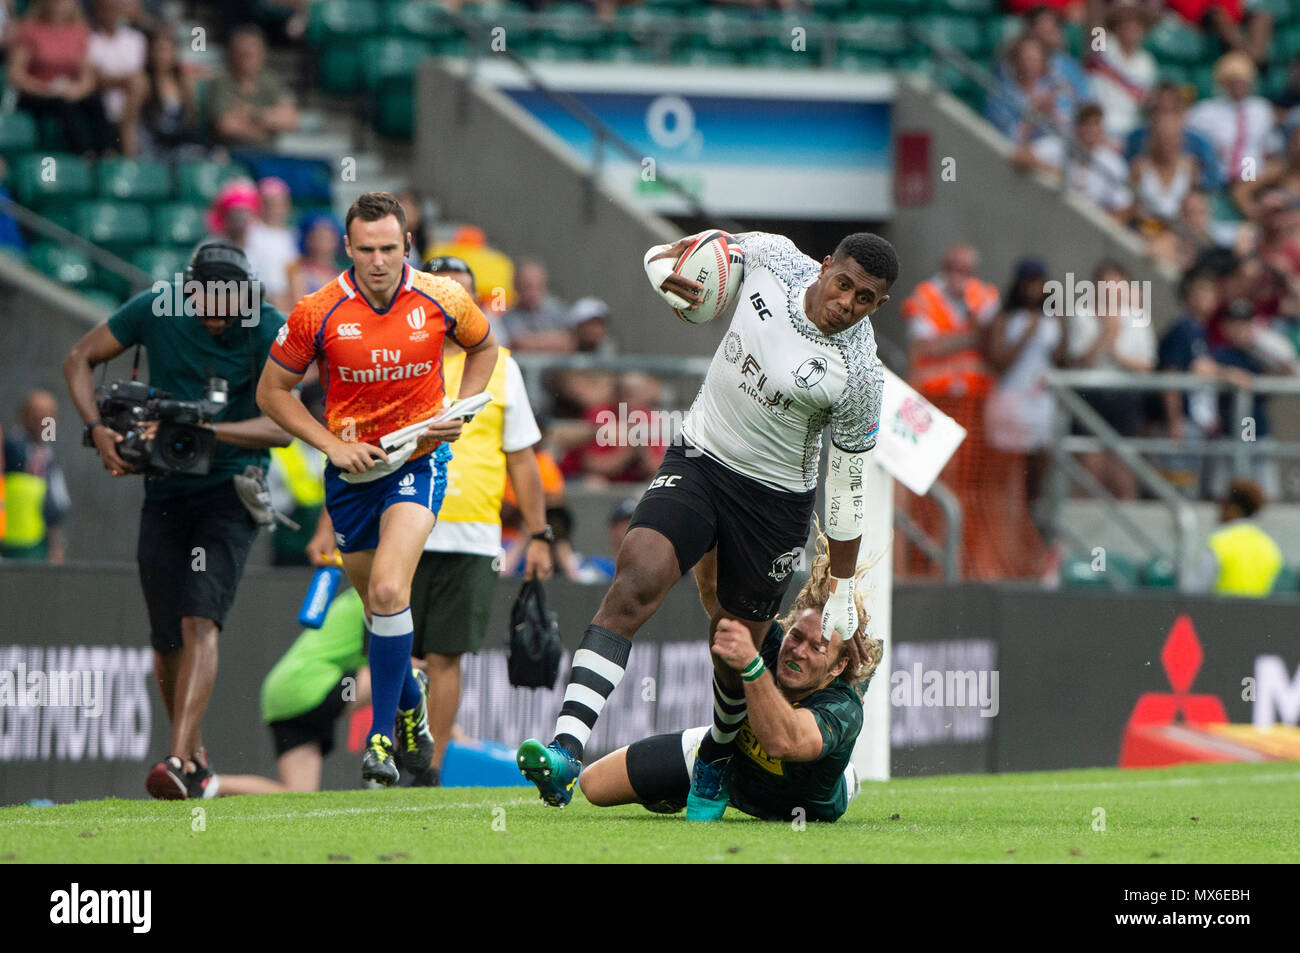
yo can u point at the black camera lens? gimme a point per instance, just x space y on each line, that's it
180 447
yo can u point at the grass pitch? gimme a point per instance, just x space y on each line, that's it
1194 814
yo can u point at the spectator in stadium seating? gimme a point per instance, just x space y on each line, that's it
35 490
49 67
321 243
250 105
589 321
1115 334
1161 176
1065 73
1238 24
1090 164
1196 231
947 319
1240 558
1026 104
538 321
233 211
1189 415
1024 343
270 243
1122 72
1281 171
1242 357
493 269
1168 99
169 128
1238 123
618 453
117 52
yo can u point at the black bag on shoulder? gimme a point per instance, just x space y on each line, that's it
535 648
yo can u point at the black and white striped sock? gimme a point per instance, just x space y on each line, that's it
728 713
598 667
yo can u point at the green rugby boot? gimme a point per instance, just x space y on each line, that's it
551 768
377 762
412 740
707 800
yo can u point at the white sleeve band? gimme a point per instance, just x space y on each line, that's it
657 271
845 494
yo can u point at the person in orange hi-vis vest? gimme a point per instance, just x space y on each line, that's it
947 320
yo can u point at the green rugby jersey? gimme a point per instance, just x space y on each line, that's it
316 661
767 788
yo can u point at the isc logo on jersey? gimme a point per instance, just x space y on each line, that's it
407 484
349 330
416 320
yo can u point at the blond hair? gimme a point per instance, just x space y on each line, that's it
814 594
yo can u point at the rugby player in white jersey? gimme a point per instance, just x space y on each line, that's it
734 499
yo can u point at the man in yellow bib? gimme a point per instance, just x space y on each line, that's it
1240 559
451 596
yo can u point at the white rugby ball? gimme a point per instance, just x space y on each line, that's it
716 261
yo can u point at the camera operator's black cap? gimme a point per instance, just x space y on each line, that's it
219 260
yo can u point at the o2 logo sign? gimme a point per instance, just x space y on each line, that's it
670 122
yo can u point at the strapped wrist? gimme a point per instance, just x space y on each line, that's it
754 670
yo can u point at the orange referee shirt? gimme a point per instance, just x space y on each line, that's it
381 370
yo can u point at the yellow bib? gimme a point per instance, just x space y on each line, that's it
304 483
25 498
1249 560
476 476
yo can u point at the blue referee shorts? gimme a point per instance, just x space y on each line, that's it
355 508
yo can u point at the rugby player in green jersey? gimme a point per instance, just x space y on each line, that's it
803 713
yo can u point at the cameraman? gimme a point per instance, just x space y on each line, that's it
195 533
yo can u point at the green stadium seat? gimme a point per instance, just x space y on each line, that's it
115 225
1158 573
332 19
133 180
39 179
99 298
1287 582
17 133
1120 573
964 33
909 8
704 56
884 35
625 53
1000 31
179 223
199 180
778 58
1170 41
727 29
972 7
395 117
552 51
573 23
860 62
424 19
339 67
161 264
642 23
67 266
390 58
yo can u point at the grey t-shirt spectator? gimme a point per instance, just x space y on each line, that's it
551 316
226 93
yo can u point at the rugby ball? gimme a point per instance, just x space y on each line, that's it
716 261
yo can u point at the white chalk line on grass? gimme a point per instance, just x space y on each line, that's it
1098 785
285 816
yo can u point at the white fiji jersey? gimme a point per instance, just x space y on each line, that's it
776 381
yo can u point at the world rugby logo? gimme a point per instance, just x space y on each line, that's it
416 318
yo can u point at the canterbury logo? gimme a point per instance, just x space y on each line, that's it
416 318
349 330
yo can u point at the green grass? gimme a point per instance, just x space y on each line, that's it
1194 814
